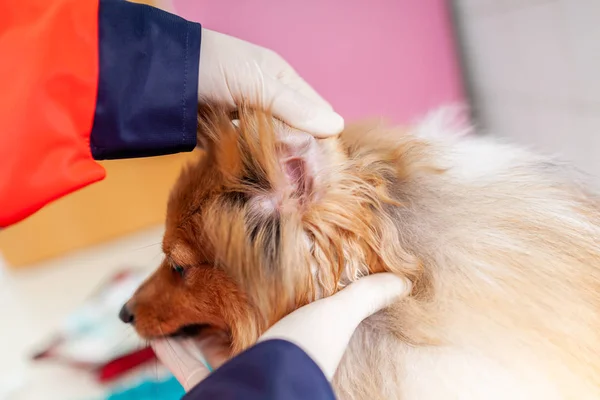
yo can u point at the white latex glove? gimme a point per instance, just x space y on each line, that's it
191 360
232 69
322 329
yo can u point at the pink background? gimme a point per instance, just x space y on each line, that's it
391 58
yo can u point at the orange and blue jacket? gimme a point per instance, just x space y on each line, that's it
86 80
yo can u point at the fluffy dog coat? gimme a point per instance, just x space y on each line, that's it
502 245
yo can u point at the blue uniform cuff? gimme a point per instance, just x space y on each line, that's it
275 369
147 99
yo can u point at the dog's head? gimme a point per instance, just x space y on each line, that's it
267 220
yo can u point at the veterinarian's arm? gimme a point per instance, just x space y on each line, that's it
296 358
88 80
104 79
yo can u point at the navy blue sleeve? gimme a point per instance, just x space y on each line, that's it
271 370
147 99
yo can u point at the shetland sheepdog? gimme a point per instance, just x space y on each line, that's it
502 246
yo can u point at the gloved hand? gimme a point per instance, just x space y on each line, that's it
189 359
231 70
322 329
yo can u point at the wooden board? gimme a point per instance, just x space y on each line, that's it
133 196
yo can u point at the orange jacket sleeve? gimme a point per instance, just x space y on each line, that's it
88 79
49 77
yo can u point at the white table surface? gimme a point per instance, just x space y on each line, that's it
34 301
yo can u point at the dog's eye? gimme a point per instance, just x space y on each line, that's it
179 269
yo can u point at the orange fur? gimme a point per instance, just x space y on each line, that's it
504 256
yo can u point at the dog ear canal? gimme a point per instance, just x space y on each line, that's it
296 171
295 157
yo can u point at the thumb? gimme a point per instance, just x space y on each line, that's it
370 294
300 112
182 358
323 328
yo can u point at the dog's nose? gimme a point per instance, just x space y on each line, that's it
126 315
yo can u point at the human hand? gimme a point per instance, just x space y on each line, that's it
191 360
322 329
232 70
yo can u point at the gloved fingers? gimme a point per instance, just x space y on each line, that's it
178 356
214 346
372 293
345 309
232 71
274 65
301 112
289 77
323 328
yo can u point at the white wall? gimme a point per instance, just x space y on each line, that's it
534 69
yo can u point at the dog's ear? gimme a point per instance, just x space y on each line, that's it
297 157
258 155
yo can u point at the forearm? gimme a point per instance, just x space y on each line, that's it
88 81
148 82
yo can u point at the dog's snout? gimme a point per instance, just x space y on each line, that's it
126 315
